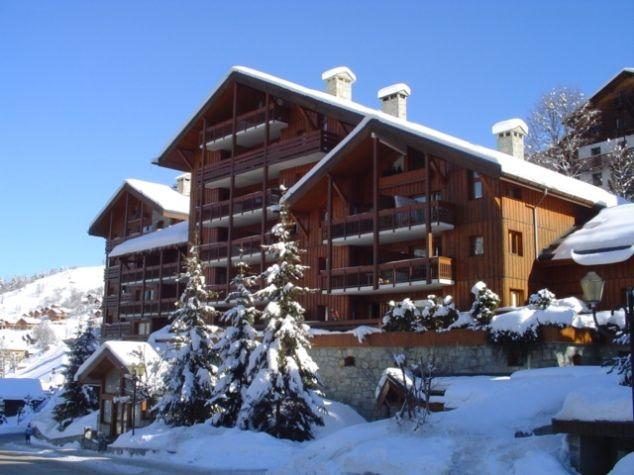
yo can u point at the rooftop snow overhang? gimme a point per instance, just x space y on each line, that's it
180 157
99 226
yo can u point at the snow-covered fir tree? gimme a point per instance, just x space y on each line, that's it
561 123
621 179
283 398
485 303
190 377
77 400
542 299
623 364
235 348
438 312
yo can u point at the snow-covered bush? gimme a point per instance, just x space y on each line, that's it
234 349
284 397
623 364
191 375
485 304
402 317
438 313
3 417
44 335
542 299
77 400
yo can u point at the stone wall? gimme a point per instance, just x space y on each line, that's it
350 370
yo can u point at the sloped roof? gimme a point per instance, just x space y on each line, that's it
605 239
126 354
166 199
20 388
625 72
172 235
508 165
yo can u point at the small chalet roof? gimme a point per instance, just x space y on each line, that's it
124 354
606 239
165 198
170 236
20 388
506 165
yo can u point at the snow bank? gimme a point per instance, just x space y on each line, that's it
48 426
598 403
46 366
221 448
625 466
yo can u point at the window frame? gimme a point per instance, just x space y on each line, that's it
472 246
516 243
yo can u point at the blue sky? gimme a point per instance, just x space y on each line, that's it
91 91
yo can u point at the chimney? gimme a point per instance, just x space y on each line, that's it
394 99
339 82
510 136
183 184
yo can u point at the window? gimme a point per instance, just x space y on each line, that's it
143 328
475 185
321 263
514 192
595 151
476 245
349 361
419 252
417 160
597 179
517 297
515 243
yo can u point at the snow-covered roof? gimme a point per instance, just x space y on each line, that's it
172 235
165 197
20 388
338 70
607 83
394 89
127 353
605 239
510 166
510 124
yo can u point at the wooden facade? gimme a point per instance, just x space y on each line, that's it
140 288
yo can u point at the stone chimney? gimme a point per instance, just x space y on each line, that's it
394 99
184 184
339 82
510 136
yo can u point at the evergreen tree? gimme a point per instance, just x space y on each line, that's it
234 349
283 398
621 180
77 400
3 417
189 380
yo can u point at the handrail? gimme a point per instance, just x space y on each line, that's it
247 245
241 204
391 218
245 121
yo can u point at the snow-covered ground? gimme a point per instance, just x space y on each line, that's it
478 436
45 423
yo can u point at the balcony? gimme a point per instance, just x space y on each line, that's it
250 129
138 308
110 331
289 153
166 272
214 254
113 272
395 225
398 276
247 210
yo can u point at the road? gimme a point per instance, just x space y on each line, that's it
18 459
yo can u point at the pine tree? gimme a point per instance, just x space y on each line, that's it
235 348
3 417
621 180
77 400
284 397
190 378
561 123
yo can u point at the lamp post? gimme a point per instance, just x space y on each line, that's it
592 285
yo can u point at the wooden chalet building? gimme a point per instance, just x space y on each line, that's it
386 208
146 231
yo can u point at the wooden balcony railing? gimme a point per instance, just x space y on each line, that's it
390 219
390 273
111 301
317 141
116 330
136 307
166 271
113 272
245 121
242 204
218 250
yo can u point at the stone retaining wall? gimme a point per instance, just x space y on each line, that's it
351 370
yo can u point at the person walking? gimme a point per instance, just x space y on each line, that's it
28 433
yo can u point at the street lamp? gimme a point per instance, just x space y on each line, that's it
592 285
